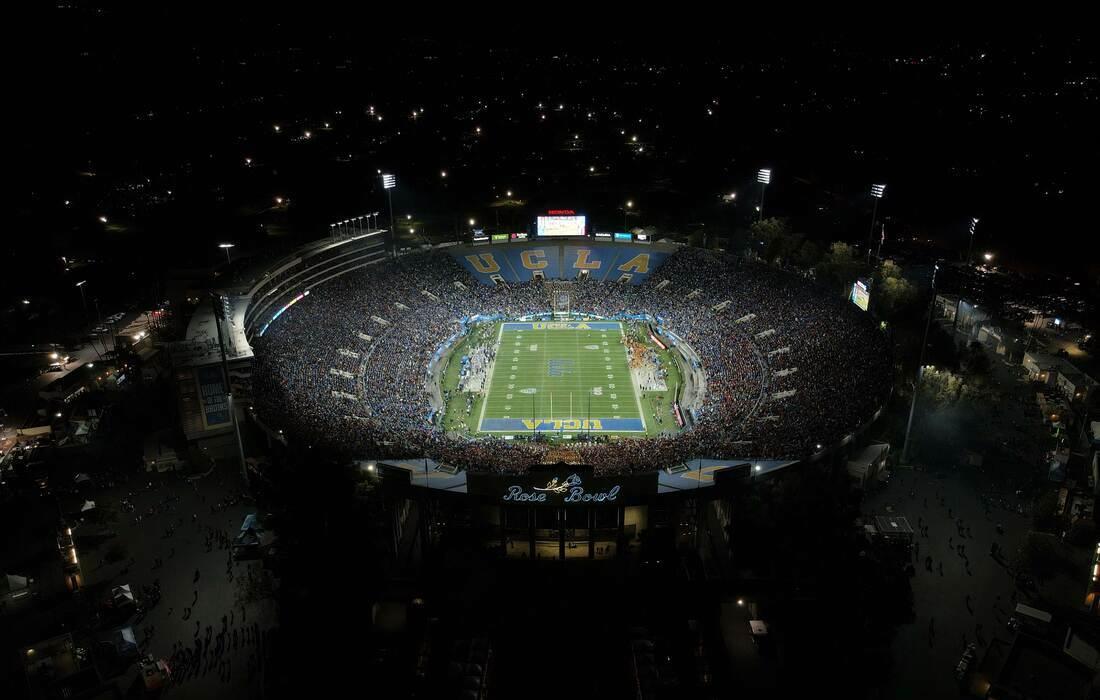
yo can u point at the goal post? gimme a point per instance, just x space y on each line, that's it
561 302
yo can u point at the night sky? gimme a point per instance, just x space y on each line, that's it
121 109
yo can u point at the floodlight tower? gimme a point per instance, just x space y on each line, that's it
388 183
973 228
764 177
876 192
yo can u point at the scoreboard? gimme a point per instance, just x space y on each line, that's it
561 223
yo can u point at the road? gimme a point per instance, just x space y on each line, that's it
221 589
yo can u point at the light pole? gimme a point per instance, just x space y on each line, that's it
626 213
876 192
920 367
83 299
764 177
970 249
221 315
388 183
226 247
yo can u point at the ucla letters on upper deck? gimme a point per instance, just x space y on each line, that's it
522 263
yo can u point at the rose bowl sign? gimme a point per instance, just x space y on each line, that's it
567 490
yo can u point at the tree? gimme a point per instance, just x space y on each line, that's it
841 266
809 255
1046 513
975 361
773 239
891 292
941 386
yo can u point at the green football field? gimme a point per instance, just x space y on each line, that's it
561 377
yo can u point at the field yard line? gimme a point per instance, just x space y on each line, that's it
577 365
489 386
542 381
637 392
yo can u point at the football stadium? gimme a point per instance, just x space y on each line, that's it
496 358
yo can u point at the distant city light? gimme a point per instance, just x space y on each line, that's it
103 219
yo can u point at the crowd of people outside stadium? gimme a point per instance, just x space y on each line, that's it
789 367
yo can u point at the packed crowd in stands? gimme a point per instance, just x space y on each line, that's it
837 362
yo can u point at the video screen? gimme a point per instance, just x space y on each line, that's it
861 297
560 226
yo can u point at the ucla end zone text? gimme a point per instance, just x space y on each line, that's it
562 326
561 425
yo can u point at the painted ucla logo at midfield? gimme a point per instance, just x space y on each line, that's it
570 488
559 368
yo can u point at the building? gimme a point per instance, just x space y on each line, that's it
1061 374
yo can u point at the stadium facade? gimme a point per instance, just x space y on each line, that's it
560 509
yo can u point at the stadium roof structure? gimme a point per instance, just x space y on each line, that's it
201 345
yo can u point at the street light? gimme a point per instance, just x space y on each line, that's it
988 257
764 177
226 247
83 299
